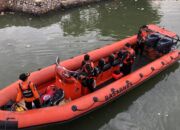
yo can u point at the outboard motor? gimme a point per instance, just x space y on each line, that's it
165 45
152 40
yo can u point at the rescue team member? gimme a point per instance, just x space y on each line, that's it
129 48
27 90
128 60
87 62
87 72
141 37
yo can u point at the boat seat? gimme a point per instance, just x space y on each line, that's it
122 54
116 62
111 59
107 67
101 64
96 71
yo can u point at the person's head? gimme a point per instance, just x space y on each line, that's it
86 57
128 45
24 76
144 26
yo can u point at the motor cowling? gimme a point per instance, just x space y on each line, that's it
165 45
152 40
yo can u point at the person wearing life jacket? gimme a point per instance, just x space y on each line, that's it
87 72
27 91
128 59
141 38
87 66
129 48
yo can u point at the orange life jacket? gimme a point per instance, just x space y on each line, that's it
27 91
144 34
131 51
129 59
86 64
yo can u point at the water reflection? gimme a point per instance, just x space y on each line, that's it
117 18
33 42
150 109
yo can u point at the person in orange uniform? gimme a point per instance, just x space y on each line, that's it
87 65
128 60
27 91
141 38
87 70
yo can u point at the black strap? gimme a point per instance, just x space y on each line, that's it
20 86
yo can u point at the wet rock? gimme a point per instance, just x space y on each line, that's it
42 6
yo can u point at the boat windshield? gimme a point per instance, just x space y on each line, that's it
63 72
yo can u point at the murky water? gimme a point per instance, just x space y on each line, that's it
28 43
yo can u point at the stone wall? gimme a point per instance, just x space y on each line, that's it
34 6
72 3
42 6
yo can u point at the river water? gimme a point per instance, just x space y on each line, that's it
28 43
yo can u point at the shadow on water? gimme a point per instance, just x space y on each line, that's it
112 18
98 118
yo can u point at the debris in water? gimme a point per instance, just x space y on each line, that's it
28 46
9 44
142 9
159 114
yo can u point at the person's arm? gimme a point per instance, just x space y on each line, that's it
19 95
34 90
92 64
81 68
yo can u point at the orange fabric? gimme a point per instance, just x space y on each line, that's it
129 58
92 64
24 87
117 76
131 51
87 62
144 34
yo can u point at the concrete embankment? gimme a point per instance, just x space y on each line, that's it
40 6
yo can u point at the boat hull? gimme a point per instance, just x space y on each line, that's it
87 103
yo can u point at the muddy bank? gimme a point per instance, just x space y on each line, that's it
40 6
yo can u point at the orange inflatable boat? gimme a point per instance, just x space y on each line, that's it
76 99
